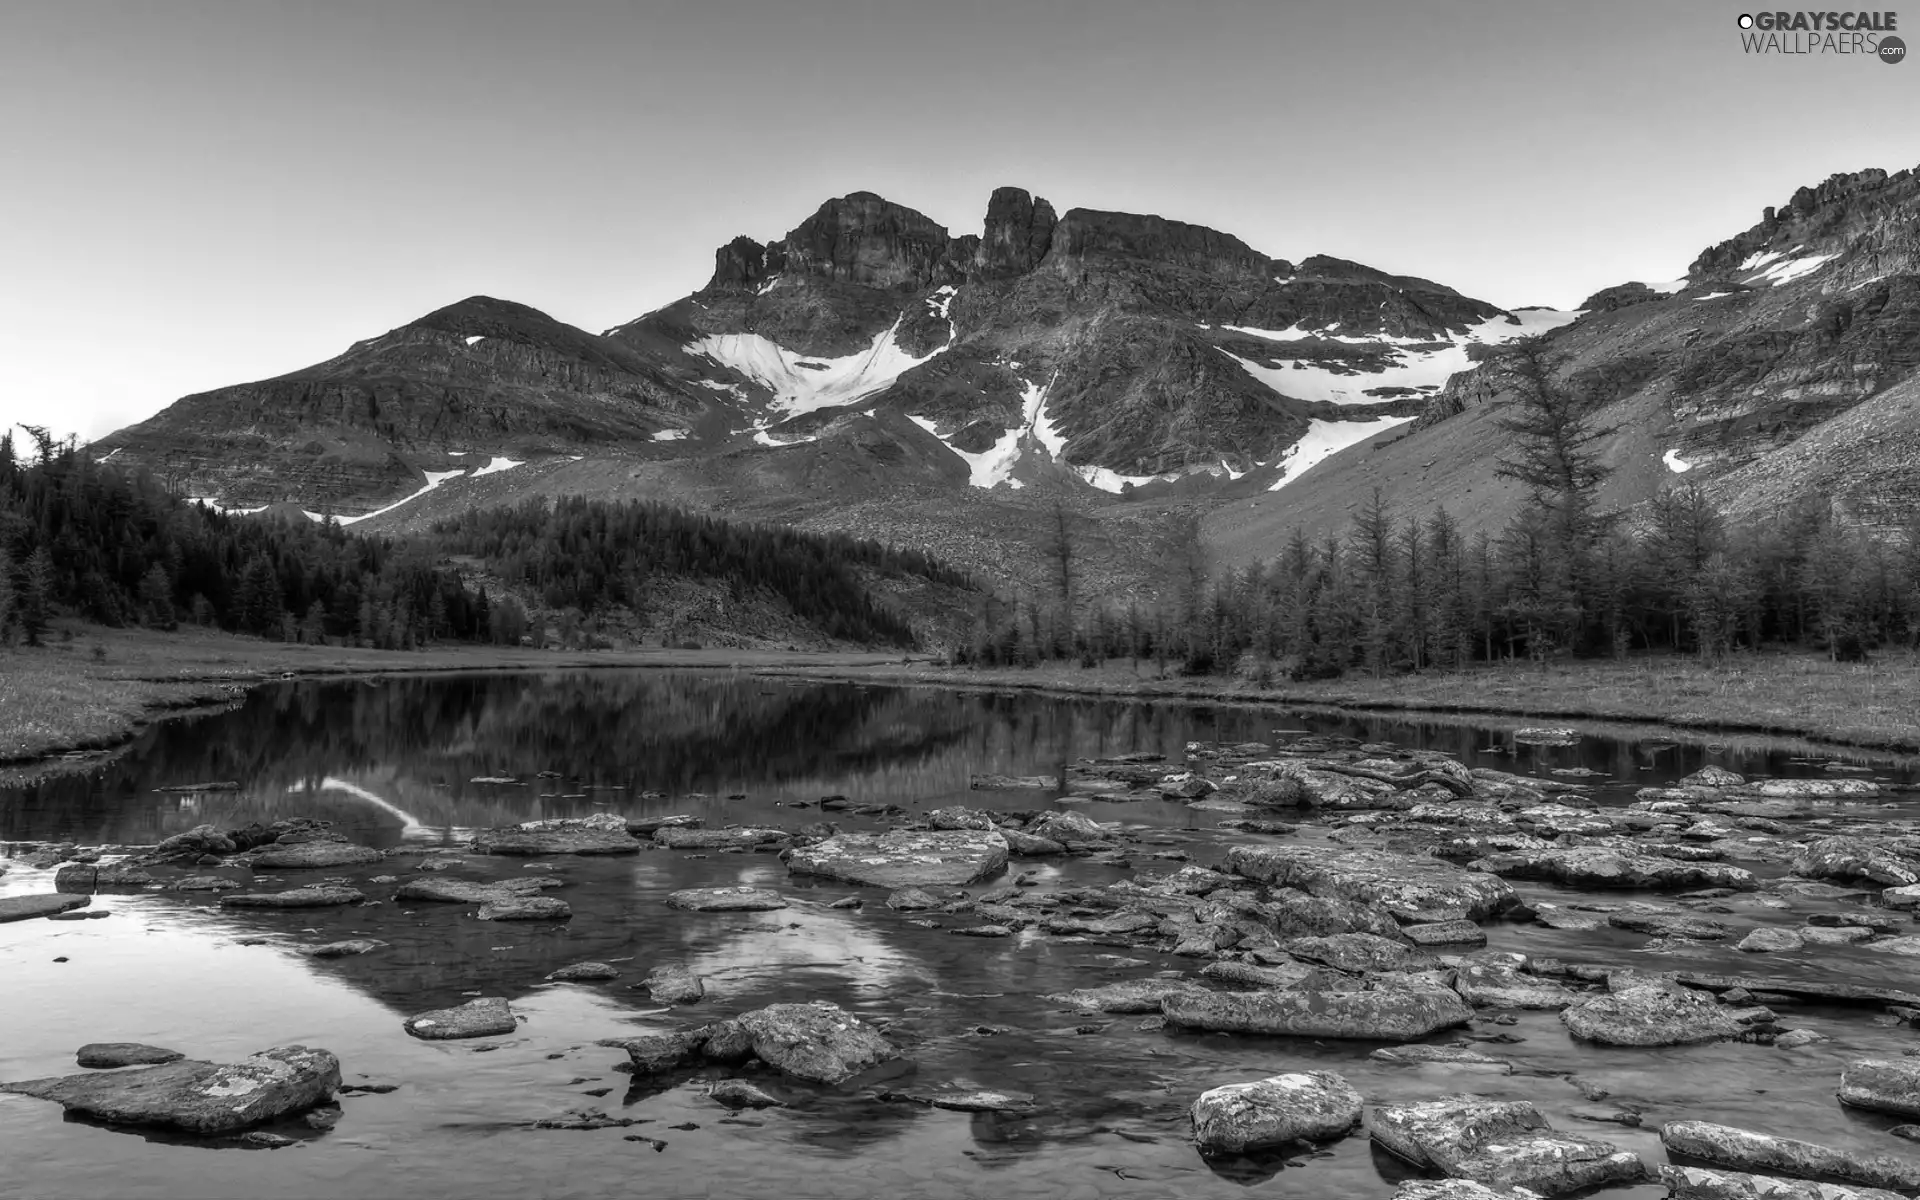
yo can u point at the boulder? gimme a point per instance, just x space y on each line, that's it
1744 1150
1446 933
652 1053
44 904
1767 940
1599 867
1130 996
1882 1085
198 1097
912 899
948 858
1499 1143
1714 777
189 846
956 816
738 1093
487 1016
819 1042
1014 783
103 1055
1411 888
526 843
1308 1106
525 908
1281 976
1028 846
1855 859
1701 1183
670 984
1068 828
726 899
1291 913
1650 1014
317 896
1391 1015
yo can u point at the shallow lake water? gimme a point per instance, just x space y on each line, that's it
392 764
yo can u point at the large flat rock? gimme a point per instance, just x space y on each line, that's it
45 904
1503 1144
1396 1015
1746 1150
527 843
951 858
1702 1183
199 1097
1882 1085
309 855
1650 1015
1600 867
488 1016
463 891
1411 888
320 896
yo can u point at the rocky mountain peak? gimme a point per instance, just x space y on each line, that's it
1086 233
1872 212
1019 230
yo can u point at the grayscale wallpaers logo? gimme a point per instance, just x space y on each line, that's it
1867 34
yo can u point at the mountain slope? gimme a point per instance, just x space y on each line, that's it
1782 366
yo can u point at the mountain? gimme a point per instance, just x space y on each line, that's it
1785 365
872 372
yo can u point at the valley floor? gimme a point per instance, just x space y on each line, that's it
96 690
1874 705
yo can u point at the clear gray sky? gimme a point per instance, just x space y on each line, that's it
199 193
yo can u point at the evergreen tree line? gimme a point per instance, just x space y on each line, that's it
1403 592
593 555
116 548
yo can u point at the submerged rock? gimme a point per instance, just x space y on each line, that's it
1397 1015
1129 996
1650 1014
198 1097
1312 1106
318 896
726 899
487 1016
820 1042
461 891
102 1055
24 908
1882 1085
738 1093
949 858
585 972
670 984
1742 1149
343 949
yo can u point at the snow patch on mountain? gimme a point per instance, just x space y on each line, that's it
497 465
1423 364
210 503
1788 270
1323 440
1675 463
941 301
804 383
478 337
434 480
669 435
989 467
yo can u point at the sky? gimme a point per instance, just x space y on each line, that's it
197 194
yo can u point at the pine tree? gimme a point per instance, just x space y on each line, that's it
6 578
34 606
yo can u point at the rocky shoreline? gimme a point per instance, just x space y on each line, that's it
1352 904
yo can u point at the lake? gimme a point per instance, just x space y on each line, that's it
393 763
